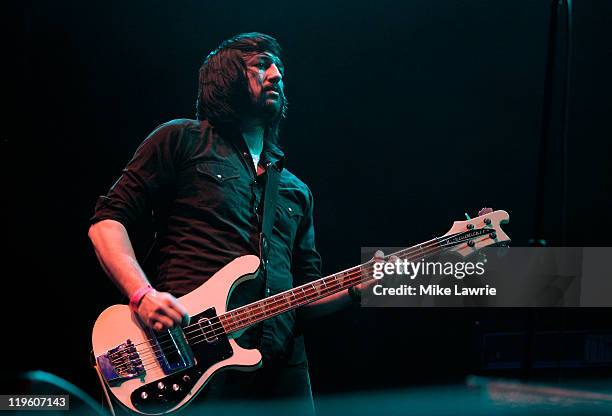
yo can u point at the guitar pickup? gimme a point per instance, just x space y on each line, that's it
173 353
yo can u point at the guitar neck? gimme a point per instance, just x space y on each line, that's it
261 310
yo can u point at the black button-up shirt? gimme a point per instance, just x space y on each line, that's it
206 197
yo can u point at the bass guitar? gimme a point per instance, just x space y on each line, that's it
155 373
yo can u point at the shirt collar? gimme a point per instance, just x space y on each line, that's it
271 153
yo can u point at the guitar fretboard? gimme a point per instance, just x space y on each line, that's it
253 313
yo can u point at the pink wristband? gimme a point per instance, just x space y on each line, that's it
137 296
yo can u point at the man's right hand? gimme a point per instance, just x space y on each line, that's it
161 311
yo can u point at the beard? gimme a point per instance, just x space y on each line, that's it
269 106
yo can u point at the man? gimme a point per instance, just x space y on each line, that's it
204 181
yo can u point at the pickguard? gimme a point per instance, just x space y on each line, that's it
167 392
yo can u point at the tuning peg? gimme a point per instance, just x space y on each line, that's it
485 211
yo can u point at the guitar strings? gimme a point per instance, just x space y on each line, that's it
153 355
194 340
352 275
215 332
331 288
271 307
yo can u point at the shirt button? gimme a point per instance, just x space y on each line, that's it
219 176
267 291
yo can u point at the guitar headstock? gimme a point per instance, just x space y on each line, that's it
469 236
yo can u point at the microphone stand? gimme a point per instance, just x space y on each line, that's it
555 113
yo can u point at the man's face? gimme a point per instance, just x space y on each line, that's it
265 77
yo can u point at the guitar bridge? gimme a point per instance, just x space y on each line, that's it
121 363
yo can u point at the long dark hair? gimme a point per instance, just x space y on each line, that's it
223 94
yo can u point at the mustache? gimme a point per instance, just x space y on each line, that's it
275 88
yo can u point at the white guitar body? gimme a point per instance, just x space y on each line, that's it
117 324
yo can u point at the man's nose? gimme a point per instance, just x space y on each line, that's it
274 75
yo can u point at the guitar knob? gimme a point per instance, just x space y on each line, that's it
160 385
144 395
186 378
176 387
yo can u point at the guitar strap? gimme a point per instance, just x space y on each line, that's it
273 171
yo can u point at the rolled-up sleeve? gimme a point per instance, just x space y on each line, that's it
150 170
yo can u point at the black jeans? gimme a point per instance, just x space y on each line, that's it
271 390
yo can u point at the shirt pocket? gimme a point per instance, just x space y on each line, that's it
217 188
218 171
291 210
289 217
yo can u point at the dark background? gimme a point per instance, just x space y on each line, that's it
403 116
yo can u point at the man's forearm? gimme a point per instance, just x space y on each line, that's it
116 255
